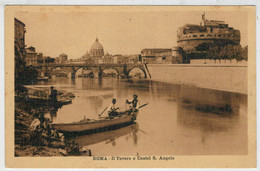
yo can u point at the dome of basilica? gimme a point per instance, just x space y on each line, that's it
96 49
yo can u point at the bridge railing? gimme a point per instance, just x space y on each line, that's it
87 65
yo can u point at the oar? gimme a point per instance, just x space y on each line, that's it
102 112
143 105
142 131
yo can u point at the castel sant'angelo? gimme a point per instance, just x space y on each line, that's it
194 39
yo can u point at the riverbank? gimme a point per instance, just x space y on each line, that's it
34 135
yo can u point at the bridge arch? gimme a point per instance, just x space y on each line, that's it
83 68
57 71
111 68
137 67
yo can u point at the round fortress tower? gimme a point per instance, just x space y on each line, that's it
191 37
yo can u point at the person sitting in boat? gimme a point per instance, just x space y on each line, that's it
53 95
113 110
134 103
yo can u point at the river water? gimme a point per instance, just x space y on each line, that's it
179 119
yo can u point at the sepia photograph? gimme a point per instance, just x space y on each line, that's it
130 84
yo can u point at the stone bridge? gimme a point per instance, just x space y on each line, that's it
97 69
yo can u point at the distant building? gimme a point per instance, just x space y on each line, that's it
40 58
107 59
23 74
157 55
19 39
31 56
116 58
47 59
90 61
63 58
195 40
86 56
121 59
134 58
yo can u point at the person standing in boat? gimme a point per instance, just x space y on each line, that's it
113 110
134 103
53 95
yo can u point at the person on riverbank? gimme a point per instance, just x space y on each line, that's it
53 95
113 110
46 126
134 104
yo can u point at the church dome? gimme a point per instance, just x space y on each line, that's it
97 49
96 45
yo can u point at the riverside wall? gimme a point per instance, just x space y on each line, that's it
224 77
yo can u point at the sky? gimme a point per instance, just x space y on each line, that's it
73 33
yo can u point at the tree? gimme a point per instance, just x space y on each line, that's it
49 59
244 54
229 52
210 53
237 53
213 53
203 47
223 52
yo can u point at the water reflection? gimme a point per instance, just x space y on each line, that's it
208 109
211 112
110 137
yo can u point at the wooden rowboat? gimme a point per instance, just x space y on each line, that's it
95 124
44 100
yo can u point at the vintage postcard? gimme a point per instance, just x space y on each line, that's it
130 86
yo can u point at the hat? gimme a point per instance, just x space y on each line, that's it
135 95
